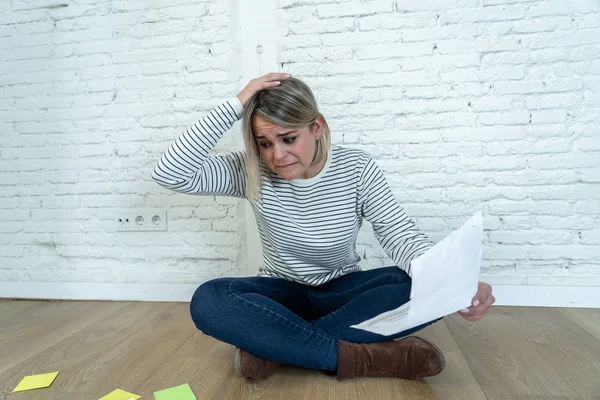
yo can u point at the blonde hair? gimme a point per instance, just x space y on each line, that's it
291 105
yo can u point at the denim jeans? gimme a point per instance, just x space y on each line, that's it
297 324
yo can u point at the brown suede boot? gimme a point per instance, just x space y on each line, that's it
409 358
250 366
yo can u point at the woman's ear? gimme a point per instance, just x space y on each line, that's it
318 125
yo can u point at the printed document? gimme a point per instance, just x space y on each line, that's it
444 281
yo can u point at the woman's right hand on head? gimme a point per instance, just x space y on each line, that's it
255 85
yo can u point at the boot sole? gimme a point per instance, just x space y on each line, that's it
237 362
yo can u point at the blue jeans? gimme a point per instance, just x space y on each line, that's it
296 324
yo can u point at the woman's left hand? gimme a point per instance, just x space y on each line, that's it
481 303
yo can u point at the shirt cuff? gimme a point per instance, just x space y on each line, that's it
237 106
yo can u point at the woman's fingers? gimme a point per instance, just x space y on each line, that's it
483 292
271 79
481 303
266 81
273 84
276 75
475 313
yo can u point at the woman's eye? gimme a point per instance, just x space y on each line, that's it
264 145
289 140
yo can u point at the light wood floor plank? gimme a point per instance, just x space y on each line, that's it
457 380
587 318
31 318
201 345
312 384
513 353
43 325
81 349
571 351
205 376
137 356
393 388
70 396
504 396
10 307
503 362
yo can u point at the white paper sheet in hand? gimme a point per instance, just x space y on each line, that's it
444 281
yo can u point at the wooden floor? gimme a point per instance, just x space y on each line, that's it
513 353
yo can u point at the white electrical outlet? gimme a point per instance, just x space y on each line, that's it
140 220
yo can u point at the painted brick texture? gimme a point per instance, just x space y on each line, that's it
466 104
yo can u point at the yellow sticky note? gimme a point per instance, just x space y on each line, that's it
36 381
119 394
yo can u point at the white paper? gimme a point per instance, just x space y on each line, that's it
444 281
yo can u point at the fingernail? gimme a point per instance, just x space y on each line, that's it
279 83
287 75
464 310
476 303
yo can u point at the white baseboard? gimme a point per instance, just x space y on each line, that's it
508 295
547 296
178 292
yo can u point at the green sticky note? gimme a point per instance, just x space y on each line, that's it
182 392
119 394
36 381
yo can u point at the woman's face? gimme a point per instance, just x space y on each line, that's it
288 151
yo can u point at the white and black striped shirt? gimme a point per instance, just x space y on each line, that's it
308 227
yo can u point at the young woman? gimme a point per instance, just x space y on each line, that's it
309 198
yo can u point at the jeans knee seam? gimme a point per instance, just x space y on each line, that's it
279 315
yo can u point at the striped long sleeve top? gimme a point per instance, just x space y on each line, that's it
308 227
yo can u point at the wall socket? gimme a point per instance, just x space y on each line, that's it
141 220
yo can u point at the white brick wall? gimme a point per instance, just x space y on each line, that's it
91 94
469 104
464 103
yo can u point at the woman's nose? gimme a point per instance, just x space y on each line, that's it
280 152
